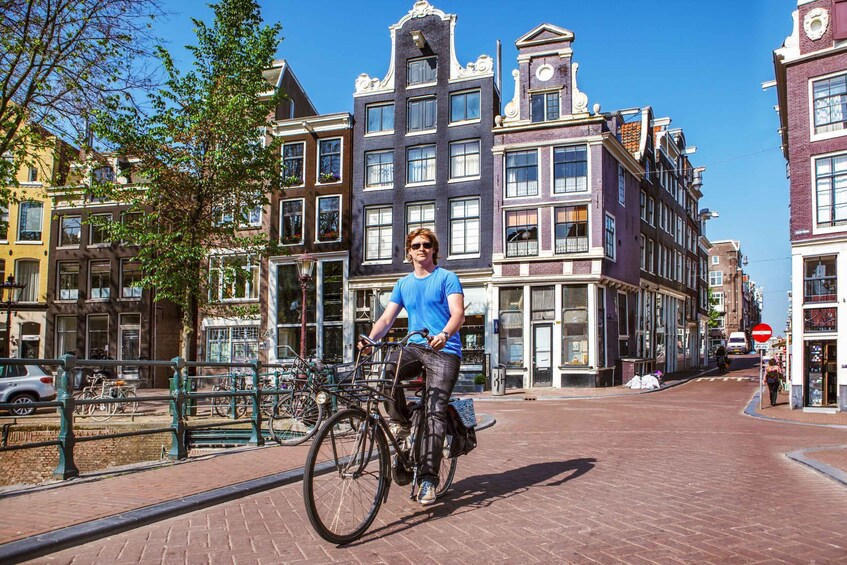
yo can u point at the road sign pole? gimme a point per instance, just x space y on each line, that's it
761 400
761 334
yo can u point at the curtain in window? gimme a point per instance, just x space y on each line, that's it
27 272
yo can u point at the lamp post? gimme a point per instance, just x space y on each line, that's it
12 290
305 265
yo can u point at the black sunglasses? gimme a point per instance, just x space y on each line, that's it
425 244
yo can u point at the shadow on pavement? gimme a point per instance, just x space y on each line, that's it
483 490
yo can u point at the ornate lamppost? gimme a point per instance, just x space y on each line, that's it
305 265
12 290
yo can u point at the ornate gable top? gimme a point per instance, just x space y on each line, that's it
545 33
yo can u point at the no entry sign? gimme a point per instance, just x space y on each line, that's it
762 333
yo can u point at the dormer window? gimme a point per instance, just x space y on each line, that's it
421 71
545 106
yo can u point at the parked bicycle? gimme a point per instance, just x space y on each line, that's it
101 386
304 400
349 466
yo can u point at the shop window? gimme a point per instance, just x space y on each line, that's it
819 283
232 344
575 325
623 324
820 320
97 342
511 327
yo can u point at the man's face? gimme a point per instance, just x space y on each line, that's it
420 249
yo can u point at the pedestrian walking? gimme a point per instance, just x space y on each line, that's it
773 376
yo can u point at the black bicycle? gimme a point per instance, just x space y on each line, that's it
349 467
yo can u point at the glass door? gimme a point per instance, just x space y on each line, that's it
130 343
821 373
542 355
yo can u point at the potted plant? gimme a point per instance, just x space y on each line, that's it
479 383
328 177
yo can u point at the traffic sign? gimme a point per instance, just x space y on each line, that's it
762 333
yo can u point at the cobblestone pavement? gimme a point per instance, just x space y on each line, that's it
681 476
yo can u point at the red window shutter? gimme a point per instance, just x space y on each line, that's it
839 19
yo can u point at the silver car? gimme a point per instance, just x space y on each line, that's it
24 384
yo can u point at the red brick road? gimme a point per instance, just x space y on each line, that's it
680 476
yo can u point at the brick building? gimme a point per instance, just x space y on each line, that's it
811 79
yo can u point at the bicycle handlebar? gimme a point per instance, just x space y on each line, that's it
423 332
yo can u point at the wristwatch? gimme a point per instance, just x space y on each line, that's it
445 334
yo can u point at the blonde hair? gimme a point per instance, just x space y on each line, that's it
427 233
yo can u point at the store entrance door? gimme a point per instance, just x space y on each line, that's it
542 355
821 373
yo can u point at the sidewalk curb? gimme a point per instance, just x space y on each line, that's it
799 455
829 471
71 536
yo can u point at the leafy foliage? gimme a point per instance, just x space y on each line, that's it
199 153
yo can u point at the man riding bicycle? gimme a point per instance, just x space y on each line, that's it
433 299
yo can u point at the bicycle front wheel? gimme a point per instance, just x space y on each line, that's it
295 418
445 474
346 475
102 411
132 406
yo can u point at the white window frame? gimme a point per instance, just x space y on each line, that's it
578 184
251 280
816 227
466 120
92 227
282 203
380 167
811 99
382 228
301 158
529 193
340 156
429 164
465 158
468 224
614 242
422 207
134 291
108 288
621 185
717 279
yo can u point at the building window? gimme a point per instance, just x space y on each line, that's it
464 226
329 159
643 252
572 229
621 185
378 223
819 283
131 275
332 299
233 277
421 71
69 230
66 335
521 233
511 327
715 278
4 223
421 164
716 260
820 320
291 222
831 187
717 301
649 256
545 106
232 345
570 169
30 219
32 175
623 324
292 163
464 159
97 344
830 104
98 233
642 202
329 219
421 114
380 118
380 168
651 208
68 282
464 106
609 237
420 215
99 277
575 325
521 173
28 272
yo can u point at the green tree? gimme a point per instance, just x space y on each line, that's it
201 153
59 60
713 313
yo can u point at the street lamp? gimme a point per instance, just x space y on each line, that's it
12 290
305 265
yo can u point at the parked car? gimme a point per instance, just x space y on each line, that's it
738 343
24 384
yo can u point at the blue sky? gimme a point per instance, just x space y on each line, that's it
700 63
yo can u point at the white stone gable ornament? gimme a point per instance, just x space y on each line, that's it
815 23
421 9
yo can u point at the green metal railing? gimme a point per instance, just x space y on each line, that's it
182 399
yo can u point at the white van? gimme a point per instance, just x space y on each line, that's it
737 343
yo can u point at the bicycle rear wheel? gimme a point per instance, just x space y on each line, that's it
295 418
129 407
445 474
346 476
102 411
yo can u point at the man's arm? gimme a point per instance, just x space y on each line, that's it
456 303
381 326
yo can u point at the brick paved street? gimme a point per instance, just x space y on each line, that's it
680 476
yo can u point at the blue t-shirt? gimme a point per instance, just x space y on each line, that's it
425 301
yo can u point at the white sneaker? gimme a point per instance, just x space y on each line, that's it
426 494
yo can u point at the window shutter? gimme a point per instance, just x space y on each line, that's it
839 19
